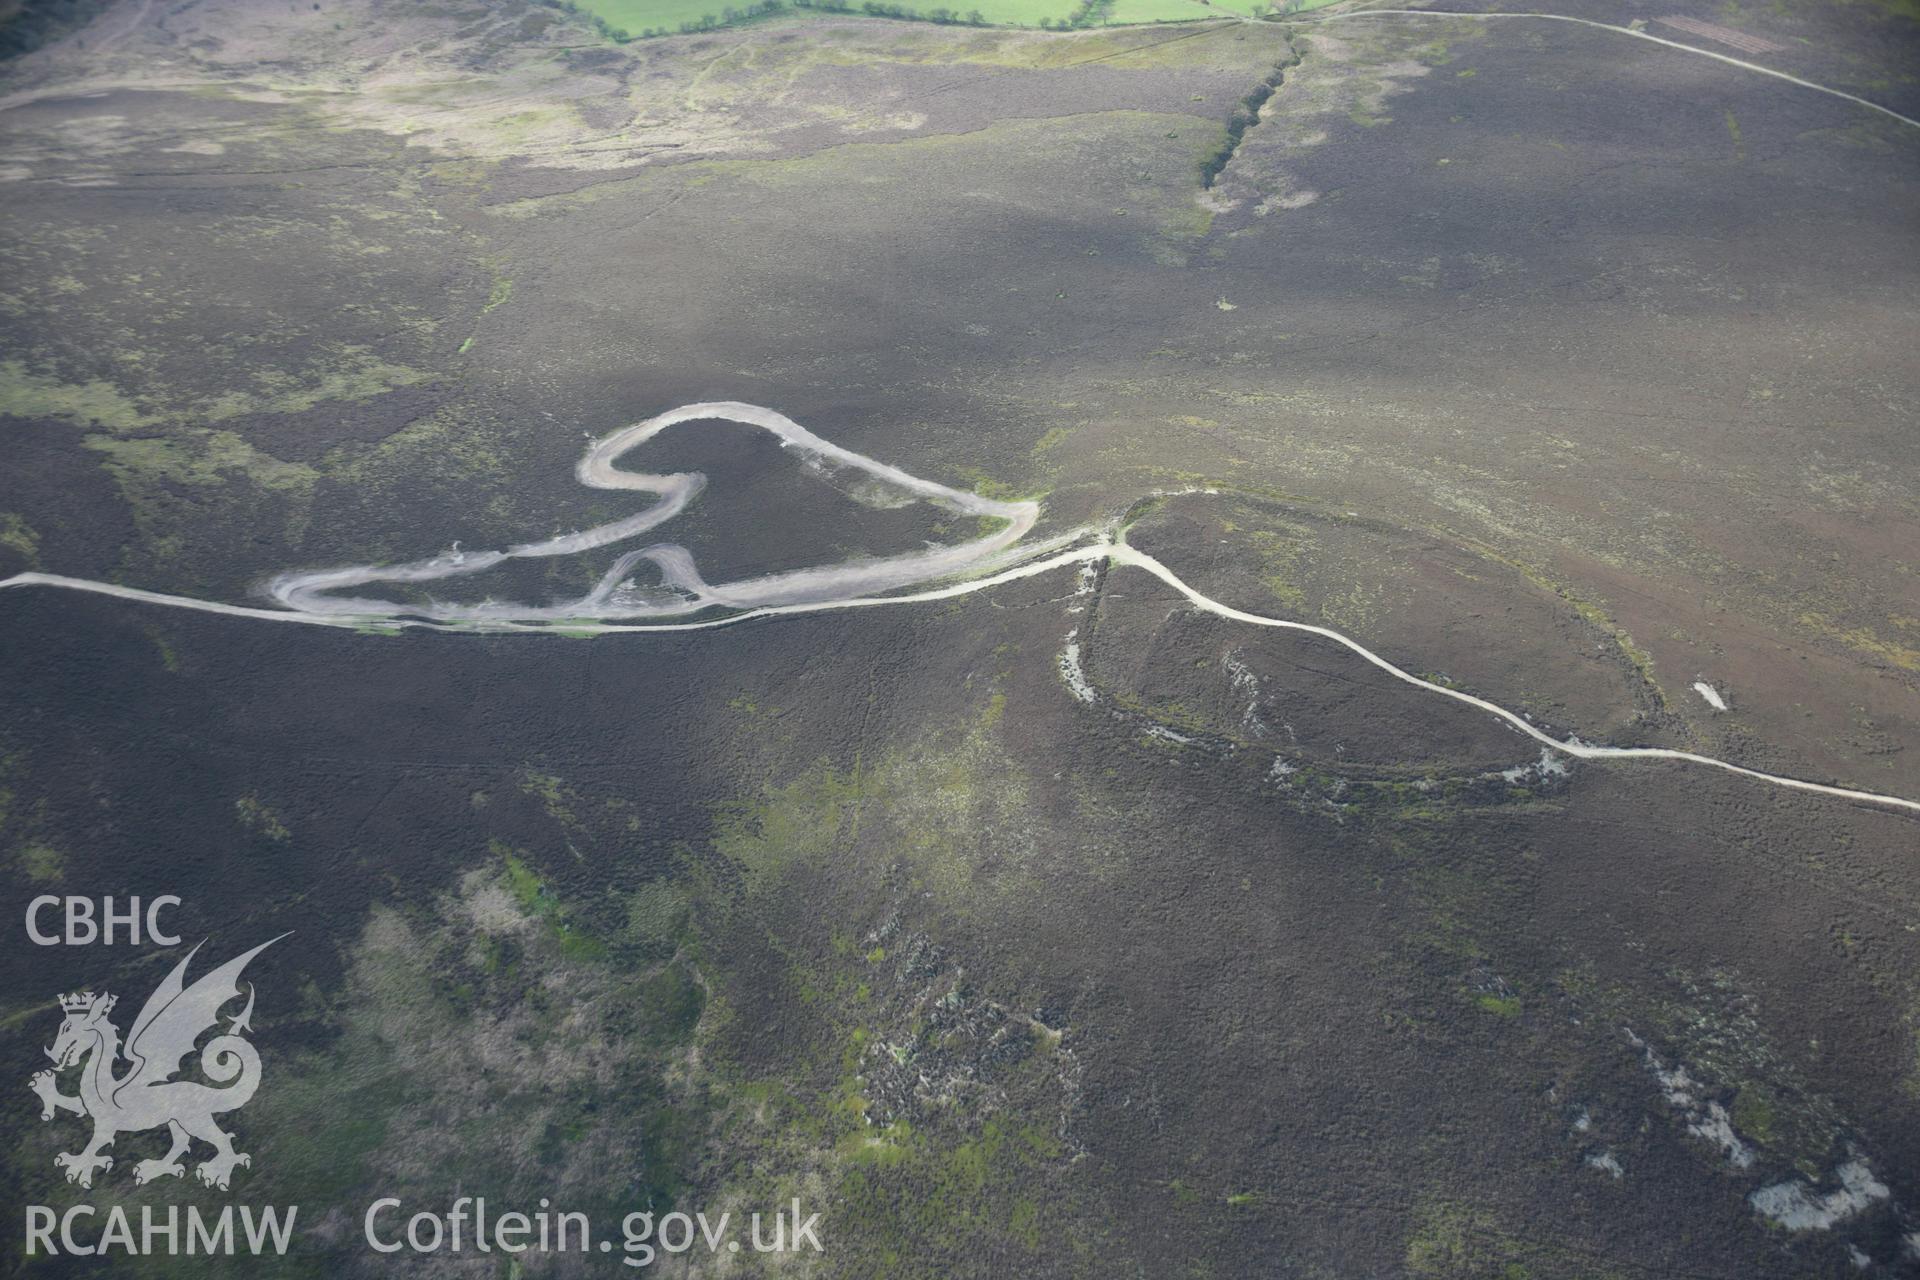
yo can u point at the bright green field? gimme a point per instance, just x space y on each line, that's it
1122 11
636 16
1178 10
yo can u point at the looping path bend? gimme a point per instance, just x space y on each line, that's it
681 590
979 565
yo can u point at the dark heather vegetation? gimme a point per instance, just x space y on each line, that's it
26 26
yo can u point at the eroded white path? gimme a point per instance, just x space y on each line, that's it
680 590
1121 553
1634 32
980 565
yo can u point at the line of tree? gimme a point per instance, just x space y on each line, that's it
1088 13
1244 116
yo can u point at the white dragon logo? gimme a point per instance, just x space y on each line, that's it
147 1096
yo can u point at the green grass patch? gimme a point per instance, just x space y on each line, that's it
1753 1114
26 394
1128 11
261 819
17 536
40 863
627 19
531 892
1499 1006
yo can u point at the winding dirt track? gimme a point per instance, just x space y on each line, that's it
1123 554
979 565
1634 32
681 590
